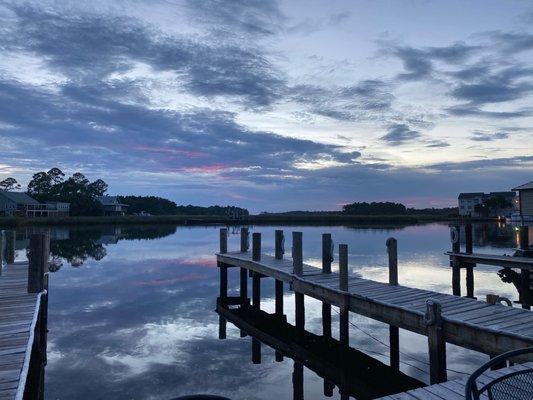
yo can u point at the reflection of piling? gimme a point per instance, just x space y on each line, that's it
298 381
256 351
297 263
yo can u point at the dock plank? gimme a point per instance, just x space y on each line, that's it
17 311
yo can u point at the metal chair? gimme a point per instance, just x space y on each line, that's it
516 385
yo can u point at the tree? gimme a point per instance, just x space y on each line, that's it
9 184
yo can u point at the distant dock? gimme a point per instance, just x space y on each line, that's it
489 328
23 320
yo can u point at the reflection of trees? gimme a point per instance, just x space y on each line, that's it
83 244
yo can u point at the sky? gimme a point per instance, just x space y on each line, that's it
271 105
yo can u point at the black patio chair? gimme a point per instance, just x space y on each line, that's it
515 385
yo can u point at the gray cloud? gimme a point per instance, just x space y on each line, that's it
483 136
400 134
91 47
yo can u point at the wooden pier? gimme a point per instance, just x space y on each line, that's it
443 318
23 315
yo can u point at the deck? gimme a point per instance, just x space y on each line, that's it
455 389
19 312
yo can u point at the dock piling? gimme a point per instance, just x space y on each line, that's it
38 261
298 381
392 251
327 253
223 240
256 246
297 263
343 285
327 258
436 342
280 244
245 240
394 331
469 247
455 236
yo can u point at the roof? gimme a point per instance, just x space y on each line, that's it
505 194
470 195
525 186
19 197
110 201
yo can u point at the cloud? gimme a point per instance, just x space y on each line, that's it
512 42
419 62
91 47
483 136
366 100
398 134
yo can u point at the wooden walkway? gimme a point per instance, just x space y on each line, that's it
455 389
492 329
19 311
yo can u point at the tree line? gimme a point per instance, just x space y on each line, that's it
54 186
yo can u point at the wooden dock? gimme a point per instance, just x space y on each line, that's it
455 389
23 311
443 318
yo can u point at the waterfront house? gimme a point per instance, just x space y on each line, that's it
469 201
112 205
525 200
58 209
20 204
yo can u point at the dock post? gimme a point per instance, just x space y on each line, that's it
523 247
297 263
344 337
2 242
256 351
280 250
469 247
392 251
245 235
327 258
222 267
298 381
455 236
38 261
394 331
245 240
256 277
10 246
436 342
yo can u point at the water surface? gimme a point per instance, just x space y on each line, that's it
131 309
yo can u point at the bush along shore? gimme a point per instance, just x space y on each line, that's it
261 219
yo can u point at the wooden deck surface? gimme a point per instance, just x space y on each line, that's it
492 329
493 259
18 314
455 389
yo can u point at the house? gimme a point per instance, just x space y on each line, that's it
112 205
20 204
468 202
525 200
58 209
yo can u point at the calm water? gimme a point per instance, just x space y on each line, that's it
131 310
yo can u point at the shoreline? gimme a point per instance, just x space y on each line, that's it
262 219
